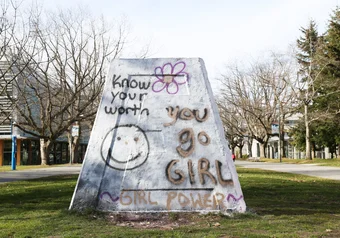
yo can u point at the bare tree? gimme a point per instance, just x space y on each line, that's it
14 38
67 58
234 127
286 100
258 93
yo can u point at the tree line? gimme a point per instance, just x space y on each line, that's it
53 69
304 82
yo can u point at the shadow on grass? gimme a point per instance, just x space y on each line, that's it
284 205
48 194
266 193
288 194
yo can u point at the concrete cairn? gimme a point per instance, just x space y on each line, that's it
158 144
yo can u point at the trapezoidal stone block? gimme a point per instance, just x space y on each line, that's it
158 143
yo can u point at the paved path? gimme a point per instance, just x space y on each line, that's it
16 175
305 169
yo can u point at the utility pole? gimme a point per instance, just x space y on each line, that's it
14 151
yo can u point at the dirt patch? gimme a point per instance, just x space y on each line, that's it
163 221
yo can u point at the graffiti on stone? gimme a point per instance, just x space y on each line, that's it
170 77
119 96
157 143
125 147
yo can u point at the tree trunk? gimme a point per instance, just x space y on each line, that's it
232 149
75 151
45 146
263 150
282 137
282 151
241 154
313 150
308 151
249 141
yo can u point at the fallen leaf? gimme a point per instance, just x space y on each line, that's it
217 224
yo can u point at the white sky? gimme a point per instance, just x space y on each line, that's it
219 31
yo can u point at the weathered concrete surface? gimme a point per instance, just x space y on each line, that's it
12 176
326 172
158 143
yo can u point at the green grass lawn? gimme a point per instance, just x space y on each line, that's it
280 205
21 167
24 167
322 162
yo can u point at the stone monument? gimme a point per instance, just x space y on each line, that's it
158 143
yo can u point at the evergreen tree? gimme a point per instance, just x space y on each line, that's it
328 86
308 45
327 135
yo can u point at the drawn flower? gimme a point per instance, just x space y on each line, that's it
170 77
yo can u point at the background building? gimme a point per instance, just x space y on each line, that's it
28 146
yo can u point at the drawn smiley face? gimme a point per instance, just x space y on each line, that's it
125 147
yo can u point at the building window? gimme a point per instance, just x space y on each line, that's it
7 152
35 150
24 152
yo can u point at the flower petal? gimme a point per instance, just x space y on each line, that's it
181 78
158 86
172 88
178 67
167 68
159 72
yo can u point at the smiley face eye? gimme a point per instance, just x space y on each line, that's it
118 138
136 139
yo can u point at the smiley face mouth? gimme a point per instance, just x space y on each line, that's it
110 157
125 156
